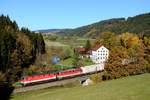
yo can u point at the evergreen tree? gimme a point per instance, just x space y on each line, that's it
88 45
75 60
18 49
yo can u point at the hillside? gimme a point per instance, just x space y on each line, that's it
136 24
128 88
49 31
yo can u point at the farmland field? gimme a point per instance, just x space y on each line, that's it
128 88
50 43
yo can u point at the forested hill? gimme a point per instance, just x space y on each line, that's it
49 30
136 24
18 48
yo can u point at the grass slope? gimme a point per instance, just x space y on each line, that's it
129 88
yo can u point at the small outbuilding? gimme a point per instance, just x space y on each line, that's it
85 81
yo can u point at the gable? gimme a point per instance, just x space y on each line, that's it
102 48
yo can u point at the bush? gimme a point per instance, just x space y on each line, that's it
105 76
96 77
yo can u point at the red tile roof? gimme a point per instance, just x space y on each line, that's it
80 50
96 47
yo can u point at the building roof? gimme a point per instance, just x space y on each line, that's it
80 50
96 47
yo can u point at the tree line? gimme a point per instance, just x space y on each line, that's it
18 49
129 54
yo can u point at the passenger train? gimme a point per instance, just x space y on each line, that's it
62 75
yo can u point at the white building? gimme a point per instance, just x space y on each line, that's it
99 54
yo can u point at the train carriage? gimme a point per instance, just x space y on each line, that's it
38 78
92 68
69 73
62 74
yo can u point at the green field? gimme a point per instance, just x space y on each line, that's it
129 88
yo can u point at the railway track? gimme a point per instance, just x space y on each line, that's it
46 85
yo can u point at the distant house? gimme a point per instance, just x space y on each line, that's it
99 54
128 61
81 51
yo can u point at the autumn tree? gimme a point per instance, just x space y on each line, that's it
127 57
129 40
108 39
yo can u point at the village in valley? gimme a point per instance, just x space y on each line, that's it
74 50
90 58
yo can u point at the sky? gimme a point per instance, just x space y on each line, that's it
53 14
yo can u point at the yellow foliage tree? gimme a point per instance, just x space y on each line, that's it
129 39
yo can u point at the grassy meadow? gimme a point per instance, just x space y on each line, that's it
128 88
